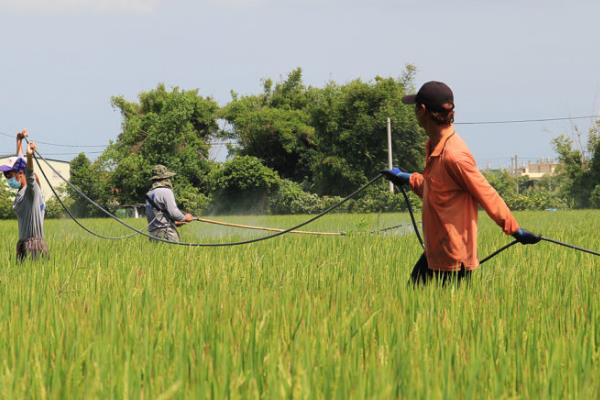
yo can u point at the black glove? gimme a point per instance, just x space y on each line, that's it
525 237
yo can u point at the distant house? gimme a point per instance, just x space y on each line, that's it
539 169
63 167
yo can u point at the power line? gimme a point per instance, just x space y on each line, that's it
63 154
520 158
523 121
509 121
72 145
57 144
93 145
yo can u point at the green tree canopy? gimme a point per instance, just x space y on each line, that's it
332 138
6 201
243 184
579 171
92 181
169 127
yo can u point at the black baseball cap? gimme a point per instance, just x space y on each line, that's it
433 95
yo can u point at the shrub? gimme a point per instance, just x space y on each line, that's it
6 202
190 199
55 210
379 199
243 185
291 199
595 197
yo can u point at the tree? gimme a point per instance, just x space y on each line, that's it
329 139
6 202
275 126
351 125
92 181
53 207
282 139
169 127
595 197
522 193
579 170
243 184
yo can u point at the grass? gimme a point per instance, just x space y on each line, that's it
299 316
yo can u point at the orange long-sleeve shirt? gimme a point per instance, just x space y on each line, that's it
451 188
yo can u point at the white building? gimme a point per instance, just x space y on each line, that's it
61 166
539 169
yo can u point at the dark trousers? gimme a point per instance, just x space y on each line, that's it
421 274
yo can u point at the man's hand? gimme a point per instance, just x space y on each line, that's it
187 218
31 148
525 237
22 135
397 176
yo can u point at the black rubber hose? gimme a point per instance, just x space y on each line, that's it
500 250
63 205
571 246
243 242
412 217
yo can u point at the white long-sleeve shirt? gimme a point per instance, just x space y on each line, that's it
164 198
30 208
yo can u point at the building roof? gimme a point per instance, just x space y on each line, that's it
3 156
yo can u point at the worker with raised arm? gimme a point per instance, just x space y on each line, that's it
29 203
162 212
451 187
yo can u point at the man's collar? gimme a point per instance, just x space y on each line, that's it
440 145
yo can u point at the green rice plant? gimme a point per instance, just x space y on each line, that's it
299 317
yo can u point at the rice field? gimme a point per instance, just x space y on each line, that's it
299 317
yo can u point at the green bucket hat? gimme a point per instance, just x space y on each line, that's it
161 172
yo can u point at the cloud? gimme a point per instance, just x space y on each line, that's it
80 6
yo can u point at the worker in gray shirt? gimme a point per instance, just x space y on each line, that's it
161 209
29 203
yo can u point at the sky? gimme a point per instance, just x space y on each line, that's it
62 60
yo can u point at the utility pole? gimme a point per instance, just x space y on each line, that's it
389 140
517 172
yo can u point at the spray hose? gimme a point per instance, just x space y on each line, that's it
501 249
264 228
278 232
185 244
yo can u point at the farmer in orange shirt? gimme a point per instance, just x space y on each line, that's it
451 187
